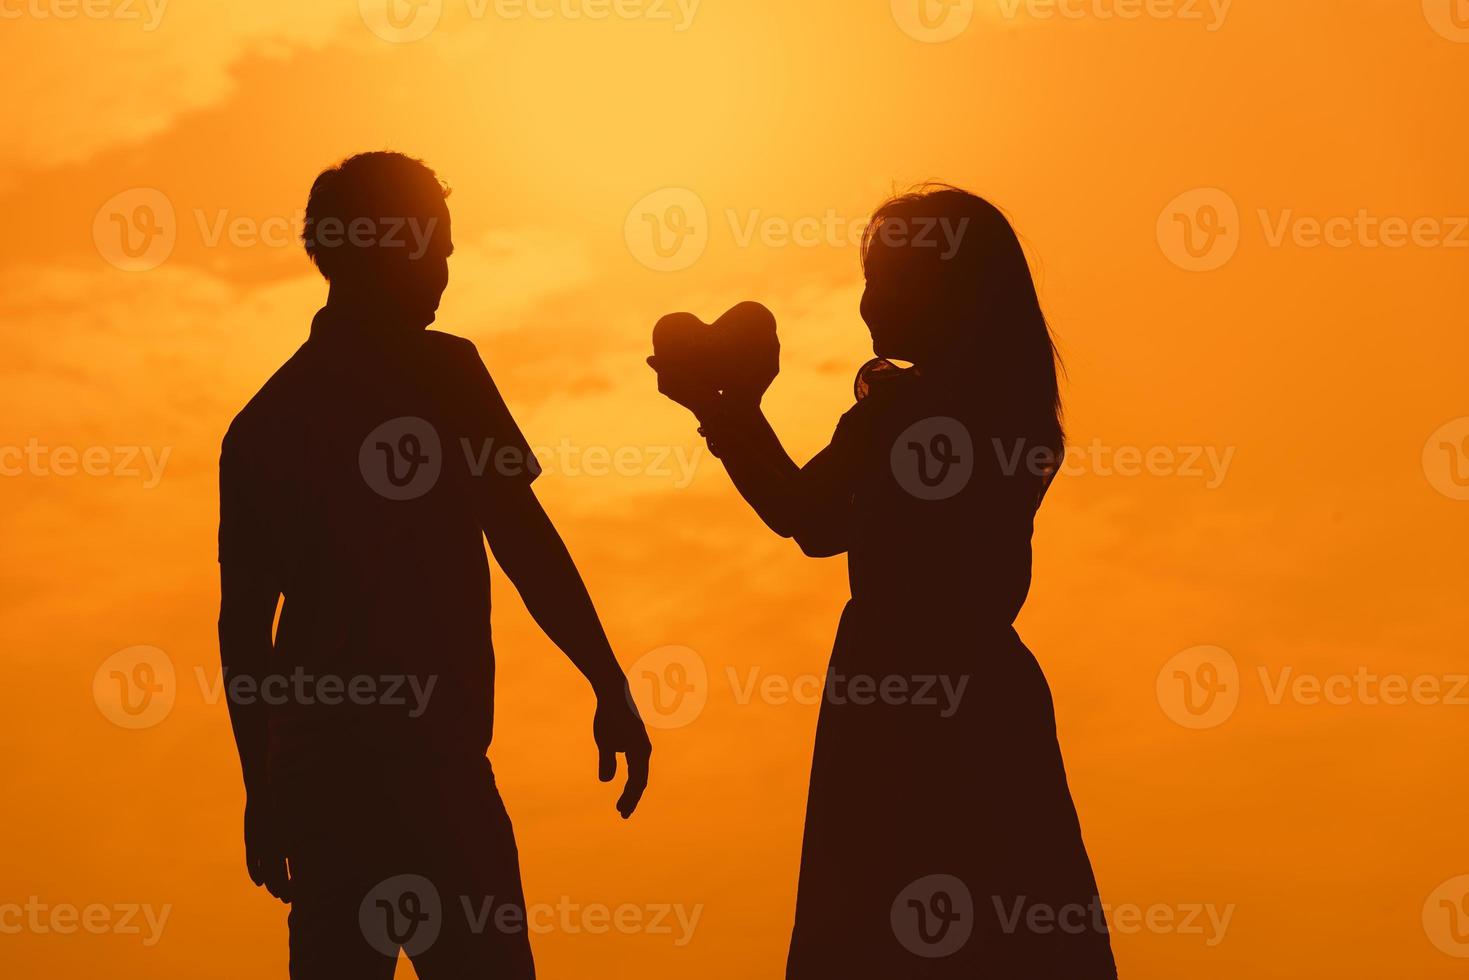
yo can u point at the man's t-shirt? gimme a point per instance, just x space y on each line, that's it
358 482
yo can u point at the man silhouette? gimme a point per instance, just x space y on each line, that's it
359 484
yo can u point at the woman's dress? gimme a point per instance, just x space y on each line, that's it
941 839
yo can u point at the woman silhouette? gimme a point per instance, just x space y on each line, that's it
941 839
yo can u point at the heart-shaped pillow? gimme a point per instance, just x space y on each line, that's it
738 354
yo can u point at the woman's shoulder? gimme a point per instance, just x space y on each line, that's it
887 399
880 386
882 378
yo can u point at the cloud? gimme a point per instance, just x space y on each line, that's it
145 66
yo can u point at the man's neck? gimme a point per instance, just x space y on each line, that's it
363 316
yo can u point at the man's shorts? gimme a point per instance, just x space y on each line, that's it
388 856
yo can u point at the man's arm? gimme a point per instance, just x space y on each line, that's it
526 545
246 612
248 596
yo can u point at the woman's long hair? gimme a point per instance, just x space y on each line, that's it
987 310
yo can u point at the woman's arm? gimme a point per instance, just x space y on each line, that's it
811 504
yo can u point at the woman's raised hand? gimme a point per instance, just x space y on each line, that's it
693 393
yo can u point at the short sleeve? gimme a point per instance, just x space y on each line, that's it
862 436
498 441
853 440
832 474
244 534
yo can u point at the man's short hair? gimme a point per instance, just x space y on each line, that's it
362 201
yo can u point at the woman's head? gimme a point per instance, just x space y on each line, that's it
949 288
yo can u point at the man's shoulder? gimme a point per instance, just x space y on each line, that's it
304 379
277 400
450 345
454 361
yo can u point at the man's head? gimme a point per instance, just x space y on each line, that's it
378 229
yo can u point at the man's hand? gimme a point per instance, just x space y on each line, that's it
617 728
265 854
535 558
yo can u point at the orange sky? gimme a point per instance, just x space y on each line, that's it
1258 417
